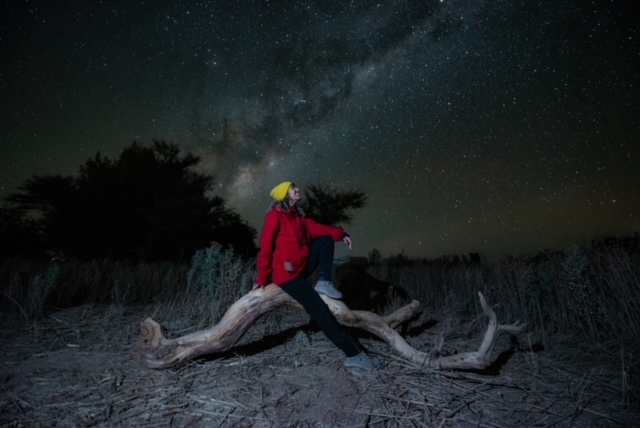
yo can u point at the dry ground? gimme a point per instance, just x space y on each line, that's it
77 368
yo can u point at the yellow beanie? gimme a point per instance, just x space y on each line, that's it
280 191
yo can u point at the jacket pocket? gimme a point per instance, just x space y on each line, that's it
295 259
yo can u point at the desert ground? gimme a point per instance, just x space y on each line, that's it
77 368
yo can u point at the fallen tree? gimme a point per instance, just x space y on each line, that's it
156 352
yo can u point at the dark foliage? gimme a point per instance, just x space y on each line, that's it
361 290
20 236
146 205
327 205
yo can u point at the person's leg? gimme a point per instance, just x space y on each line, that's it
303 293
321 258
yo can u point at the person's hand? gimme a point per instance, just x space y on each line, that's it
347 240
257 286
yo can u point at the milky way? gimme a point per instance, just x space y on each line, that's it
487 126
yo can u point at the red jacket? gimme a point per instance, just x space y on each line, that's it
284 245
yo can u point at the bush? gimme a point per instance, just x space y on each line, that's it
198 293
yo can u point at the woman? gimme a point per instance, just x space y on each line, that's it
292 247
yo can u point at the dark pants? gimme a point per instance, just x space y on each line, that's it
321 256
301 290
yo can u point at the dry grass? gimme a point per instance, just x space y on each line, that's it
76 367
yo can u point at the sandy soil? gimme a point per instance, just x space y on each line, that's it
77 368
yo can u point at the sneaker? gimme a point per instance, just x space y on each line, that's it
362 362
328 289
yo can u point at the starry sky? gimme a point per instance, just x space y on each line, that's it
499 127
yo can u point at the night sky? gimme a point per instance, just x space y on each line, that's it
497 127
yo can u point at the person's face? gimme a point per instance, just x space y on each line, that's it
294 195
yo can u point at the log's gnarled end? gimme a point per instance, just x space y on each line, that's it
150 334
151 350
481 359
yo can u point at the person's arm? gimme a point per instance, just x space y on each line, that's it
336 233
267 244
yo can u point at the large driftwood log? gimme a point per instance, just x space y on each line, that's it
155 351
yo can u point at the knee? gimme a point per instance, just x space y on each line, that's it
324 241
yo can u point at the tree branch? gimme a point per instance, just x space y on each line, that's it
155 351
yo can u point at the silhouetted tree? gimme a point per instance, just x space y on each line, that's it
48 207
20 235
148 204
327 205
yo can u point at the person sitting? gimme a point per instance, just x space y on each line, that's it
292 247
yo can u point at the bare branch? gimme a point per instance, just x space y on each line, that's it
155 351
